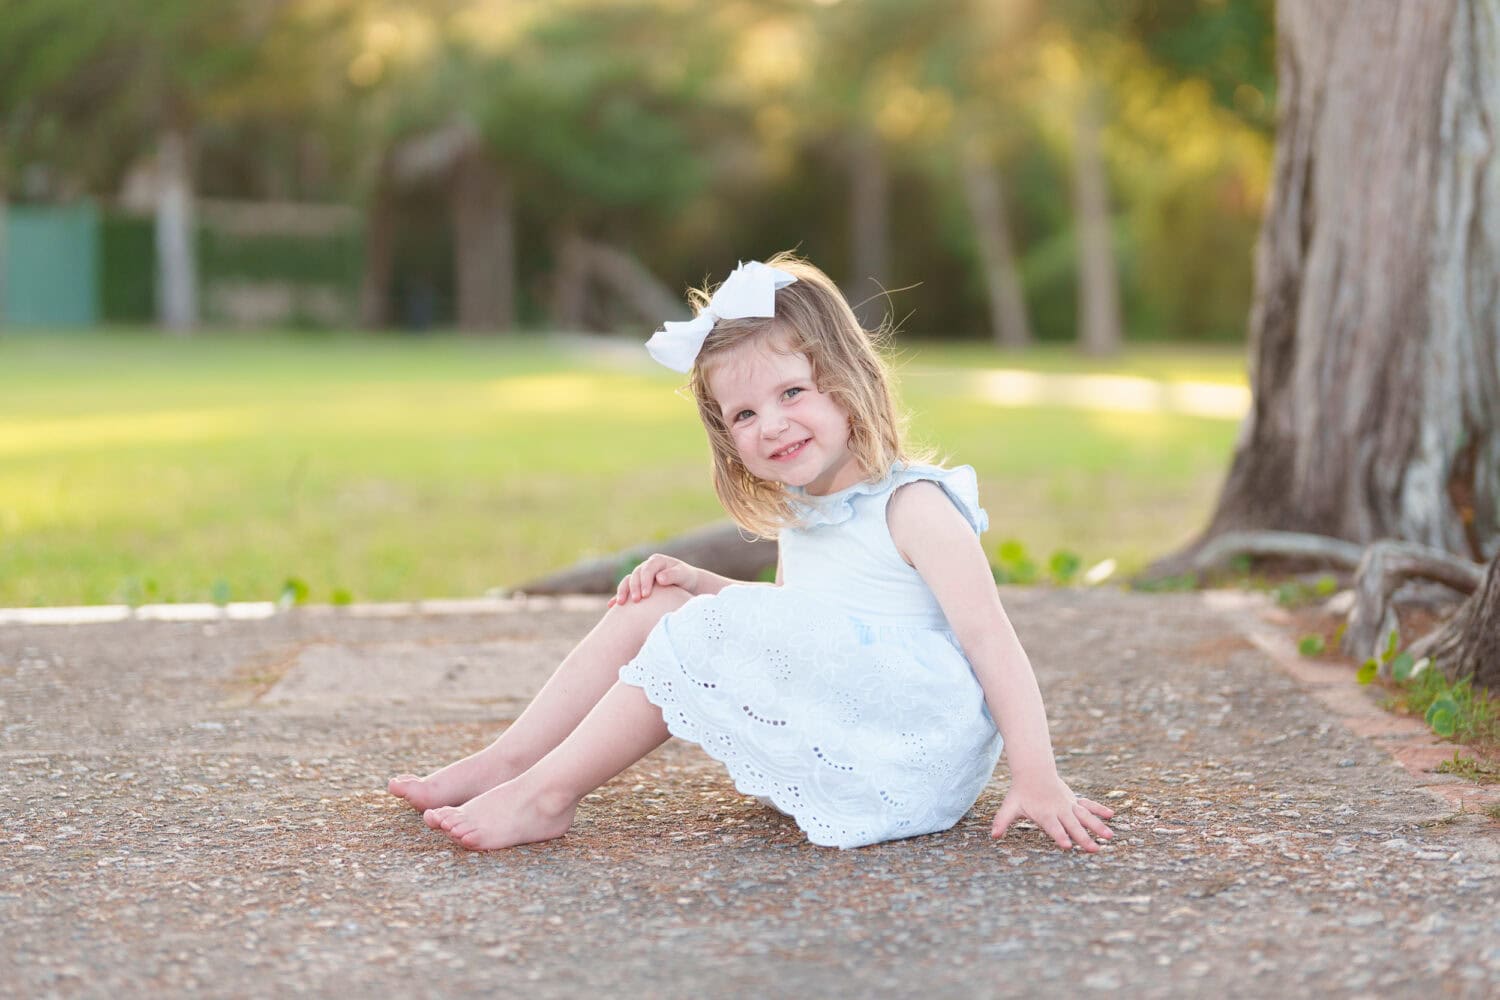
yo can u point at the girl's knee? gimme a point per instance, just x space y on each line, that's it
650 609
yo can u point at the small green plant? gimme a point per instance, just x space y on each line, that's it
294 591
1452 710
1298 593
1472 768
1182 581
1311 645
135 591
219 592
1012 564
342 597
1370 669
1442 716
1064 566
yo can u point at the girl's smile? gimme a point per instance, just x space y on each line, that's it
783 428
789 450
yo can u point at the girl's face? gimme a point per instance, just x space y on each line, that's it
784 429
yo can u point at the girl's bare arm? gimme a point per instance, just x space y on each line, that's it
934 538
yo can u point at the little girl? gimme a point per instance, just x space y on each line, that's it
859 693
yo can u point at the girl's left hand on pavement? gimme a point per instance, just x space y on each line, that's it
1051 805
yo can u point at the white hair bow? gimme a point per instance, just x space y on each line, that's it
750 290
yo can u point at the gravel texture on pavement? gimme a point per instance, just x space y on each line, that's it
200 807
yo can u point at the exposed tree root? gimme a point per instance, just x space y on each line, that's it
718 548
1385 566
1468 644
1220 549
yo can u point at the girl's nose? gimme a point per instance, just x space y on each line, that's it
772 424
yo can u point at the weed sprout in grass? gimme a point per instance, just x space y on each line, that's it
293 592
135 591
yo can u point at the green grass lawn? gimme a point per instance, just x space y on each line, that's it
138 468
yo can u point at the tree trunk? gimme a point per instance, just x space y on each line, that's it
1375 331
570 281
484 243
1099 330
380 256
176 266
981 181
869 227
1468 645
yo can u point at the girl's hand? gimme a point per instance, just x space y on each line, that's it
657 570
1051 805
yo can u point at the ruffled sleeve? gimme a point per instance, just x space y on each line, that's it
960 483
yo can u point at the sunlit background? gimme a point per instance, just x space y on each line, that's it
346 293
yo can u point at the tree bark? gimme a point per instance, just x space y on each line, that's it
176 265
981 182
1375 331
869 228
380 255
1099 330
484 243
1468 644
1384 567
570 281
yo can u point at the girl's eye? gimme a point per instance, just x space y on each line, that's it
794 390
743 415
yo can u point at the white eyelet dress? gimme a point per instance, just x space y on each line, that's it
842 697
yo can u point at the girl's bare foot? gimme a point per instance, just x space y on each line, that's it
505 816
455 784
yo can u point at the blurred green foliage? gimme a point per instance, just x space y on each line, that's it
127 269
689 133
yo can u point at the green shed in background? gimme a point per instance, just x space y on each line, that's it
51 266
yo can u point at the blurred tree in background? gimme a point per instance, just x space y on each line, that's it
1070 170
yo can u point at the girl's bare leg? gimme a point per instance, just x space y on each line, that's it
573 689
539 804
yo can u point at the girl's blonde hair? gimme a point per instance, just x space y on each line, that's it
813 319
